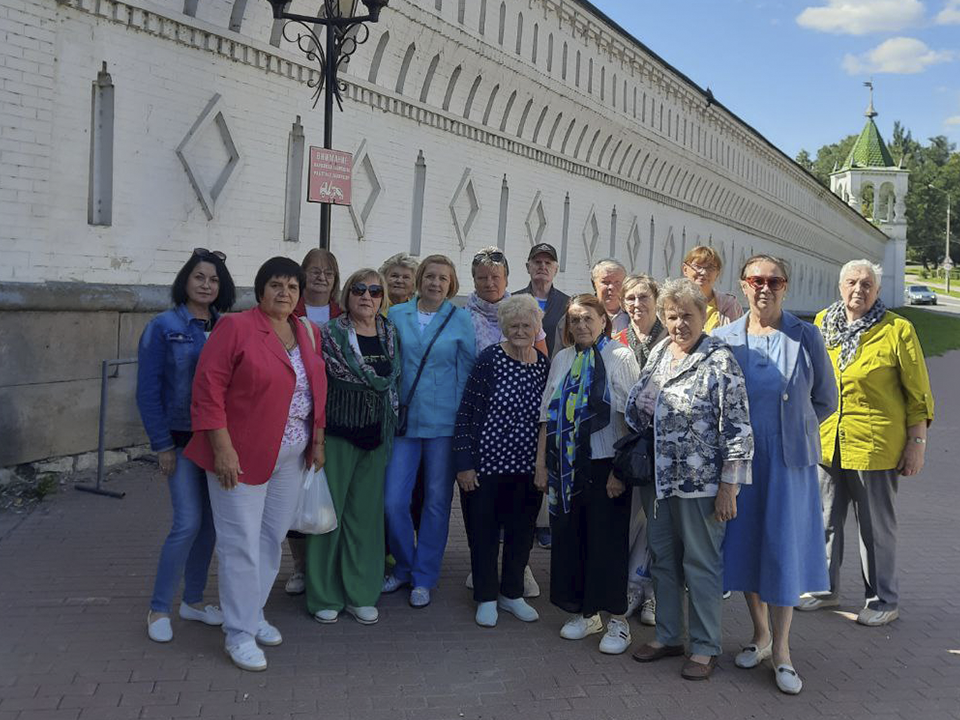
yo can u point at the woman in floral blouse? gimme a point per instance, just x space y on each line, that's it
692 394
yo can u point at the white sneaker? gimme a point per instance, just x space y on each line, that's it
210 615
578 627
486 614
365 615
648 612
247 656
267 634
634 598
788 680
530 587
617 639
518 608
816 602
296 584
469 582
160 630
327 617
876 618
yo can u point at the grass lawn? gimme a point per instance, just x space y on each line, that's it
938 333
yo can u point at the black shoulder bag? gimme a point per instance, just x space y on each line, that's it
633 458
404 406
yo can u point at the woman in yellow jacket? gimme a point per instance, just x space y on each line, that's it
878 433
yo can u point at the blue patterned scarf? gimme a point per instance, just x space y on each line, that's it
579 407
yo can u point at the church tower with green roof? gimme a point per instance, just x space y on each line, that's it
873 184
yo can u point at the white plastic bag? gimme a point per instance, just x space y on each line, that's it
315 513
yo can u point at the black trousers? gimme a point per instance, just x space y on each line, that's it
510 501
591 549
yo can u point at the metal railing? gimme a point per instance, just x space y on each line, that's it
105 375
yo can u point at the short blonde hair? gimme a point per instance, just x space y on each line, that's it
362 275
401 259
633 281
439 260
485 260
704 255
680 291
519 307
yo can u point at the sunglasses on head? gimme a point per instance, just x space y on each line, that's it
497 257
203 252
758 282
358 289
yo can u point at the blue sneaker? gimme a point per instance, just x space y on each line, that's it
544 538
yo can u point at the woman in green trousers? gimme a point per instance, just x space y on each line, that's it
362 355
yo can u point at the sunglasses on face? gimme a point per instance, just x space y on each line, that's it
758 282
203 252
358 289
497 257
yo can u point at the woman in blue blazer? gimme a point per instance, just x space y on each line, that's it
773 550
431 416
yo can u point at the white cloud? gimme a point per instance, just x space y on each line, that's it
859 17
955 120
900 56
950 15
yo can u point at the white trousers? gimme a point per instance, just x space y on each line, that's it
251 522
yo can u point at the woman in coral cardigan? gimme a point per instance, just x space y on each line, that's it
258 418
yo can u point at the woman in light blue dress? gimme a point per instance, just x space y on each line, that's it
773 551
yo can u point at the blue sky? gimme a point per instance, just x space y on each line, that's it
794 69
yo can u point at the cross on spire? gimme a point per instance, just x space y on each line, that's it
871 113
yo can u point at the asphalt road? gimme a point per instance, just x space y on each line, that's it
945 304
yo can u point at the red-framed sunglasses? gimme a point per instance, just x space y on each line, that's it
758 282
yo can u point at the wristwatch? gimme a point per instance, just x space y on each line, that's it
919 440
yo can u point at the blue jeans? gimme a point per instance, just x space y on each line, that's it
419 563
189 546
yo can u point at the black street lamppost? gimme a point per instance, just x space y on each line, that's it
345 32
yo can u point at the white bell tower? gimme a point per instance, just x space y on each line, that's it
875 186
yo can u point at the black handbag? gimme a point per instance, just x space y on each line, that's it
633 458
403 409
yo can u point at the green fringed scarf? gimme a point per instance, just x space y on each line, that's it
356 396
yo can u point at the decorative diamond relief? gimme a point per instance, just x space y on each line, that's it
536 222
191 149
367 185
669 249
591 235
634 243
464 207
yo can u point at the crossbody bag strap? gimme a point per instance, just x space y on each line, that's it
423 360
306 323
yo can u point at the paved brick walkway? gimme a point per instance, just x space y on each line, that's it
75 578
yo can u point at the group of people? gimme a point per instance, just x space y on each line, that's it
523 402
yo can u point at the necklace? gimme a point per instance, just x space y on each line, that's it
289 347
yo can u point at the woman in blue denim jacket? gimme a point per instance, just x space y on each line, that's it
168 353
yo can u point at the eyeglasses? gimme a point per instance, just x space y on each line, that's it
358 289
701 269
495 256
758 282
203 252
317 274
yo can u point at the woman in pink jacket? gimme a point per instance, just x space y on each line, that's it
258 419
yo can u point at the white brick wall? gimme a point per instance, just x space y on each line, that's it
51 55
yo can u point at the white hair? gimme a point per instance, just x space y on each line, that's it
519 307
862 264
604 266
680 291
